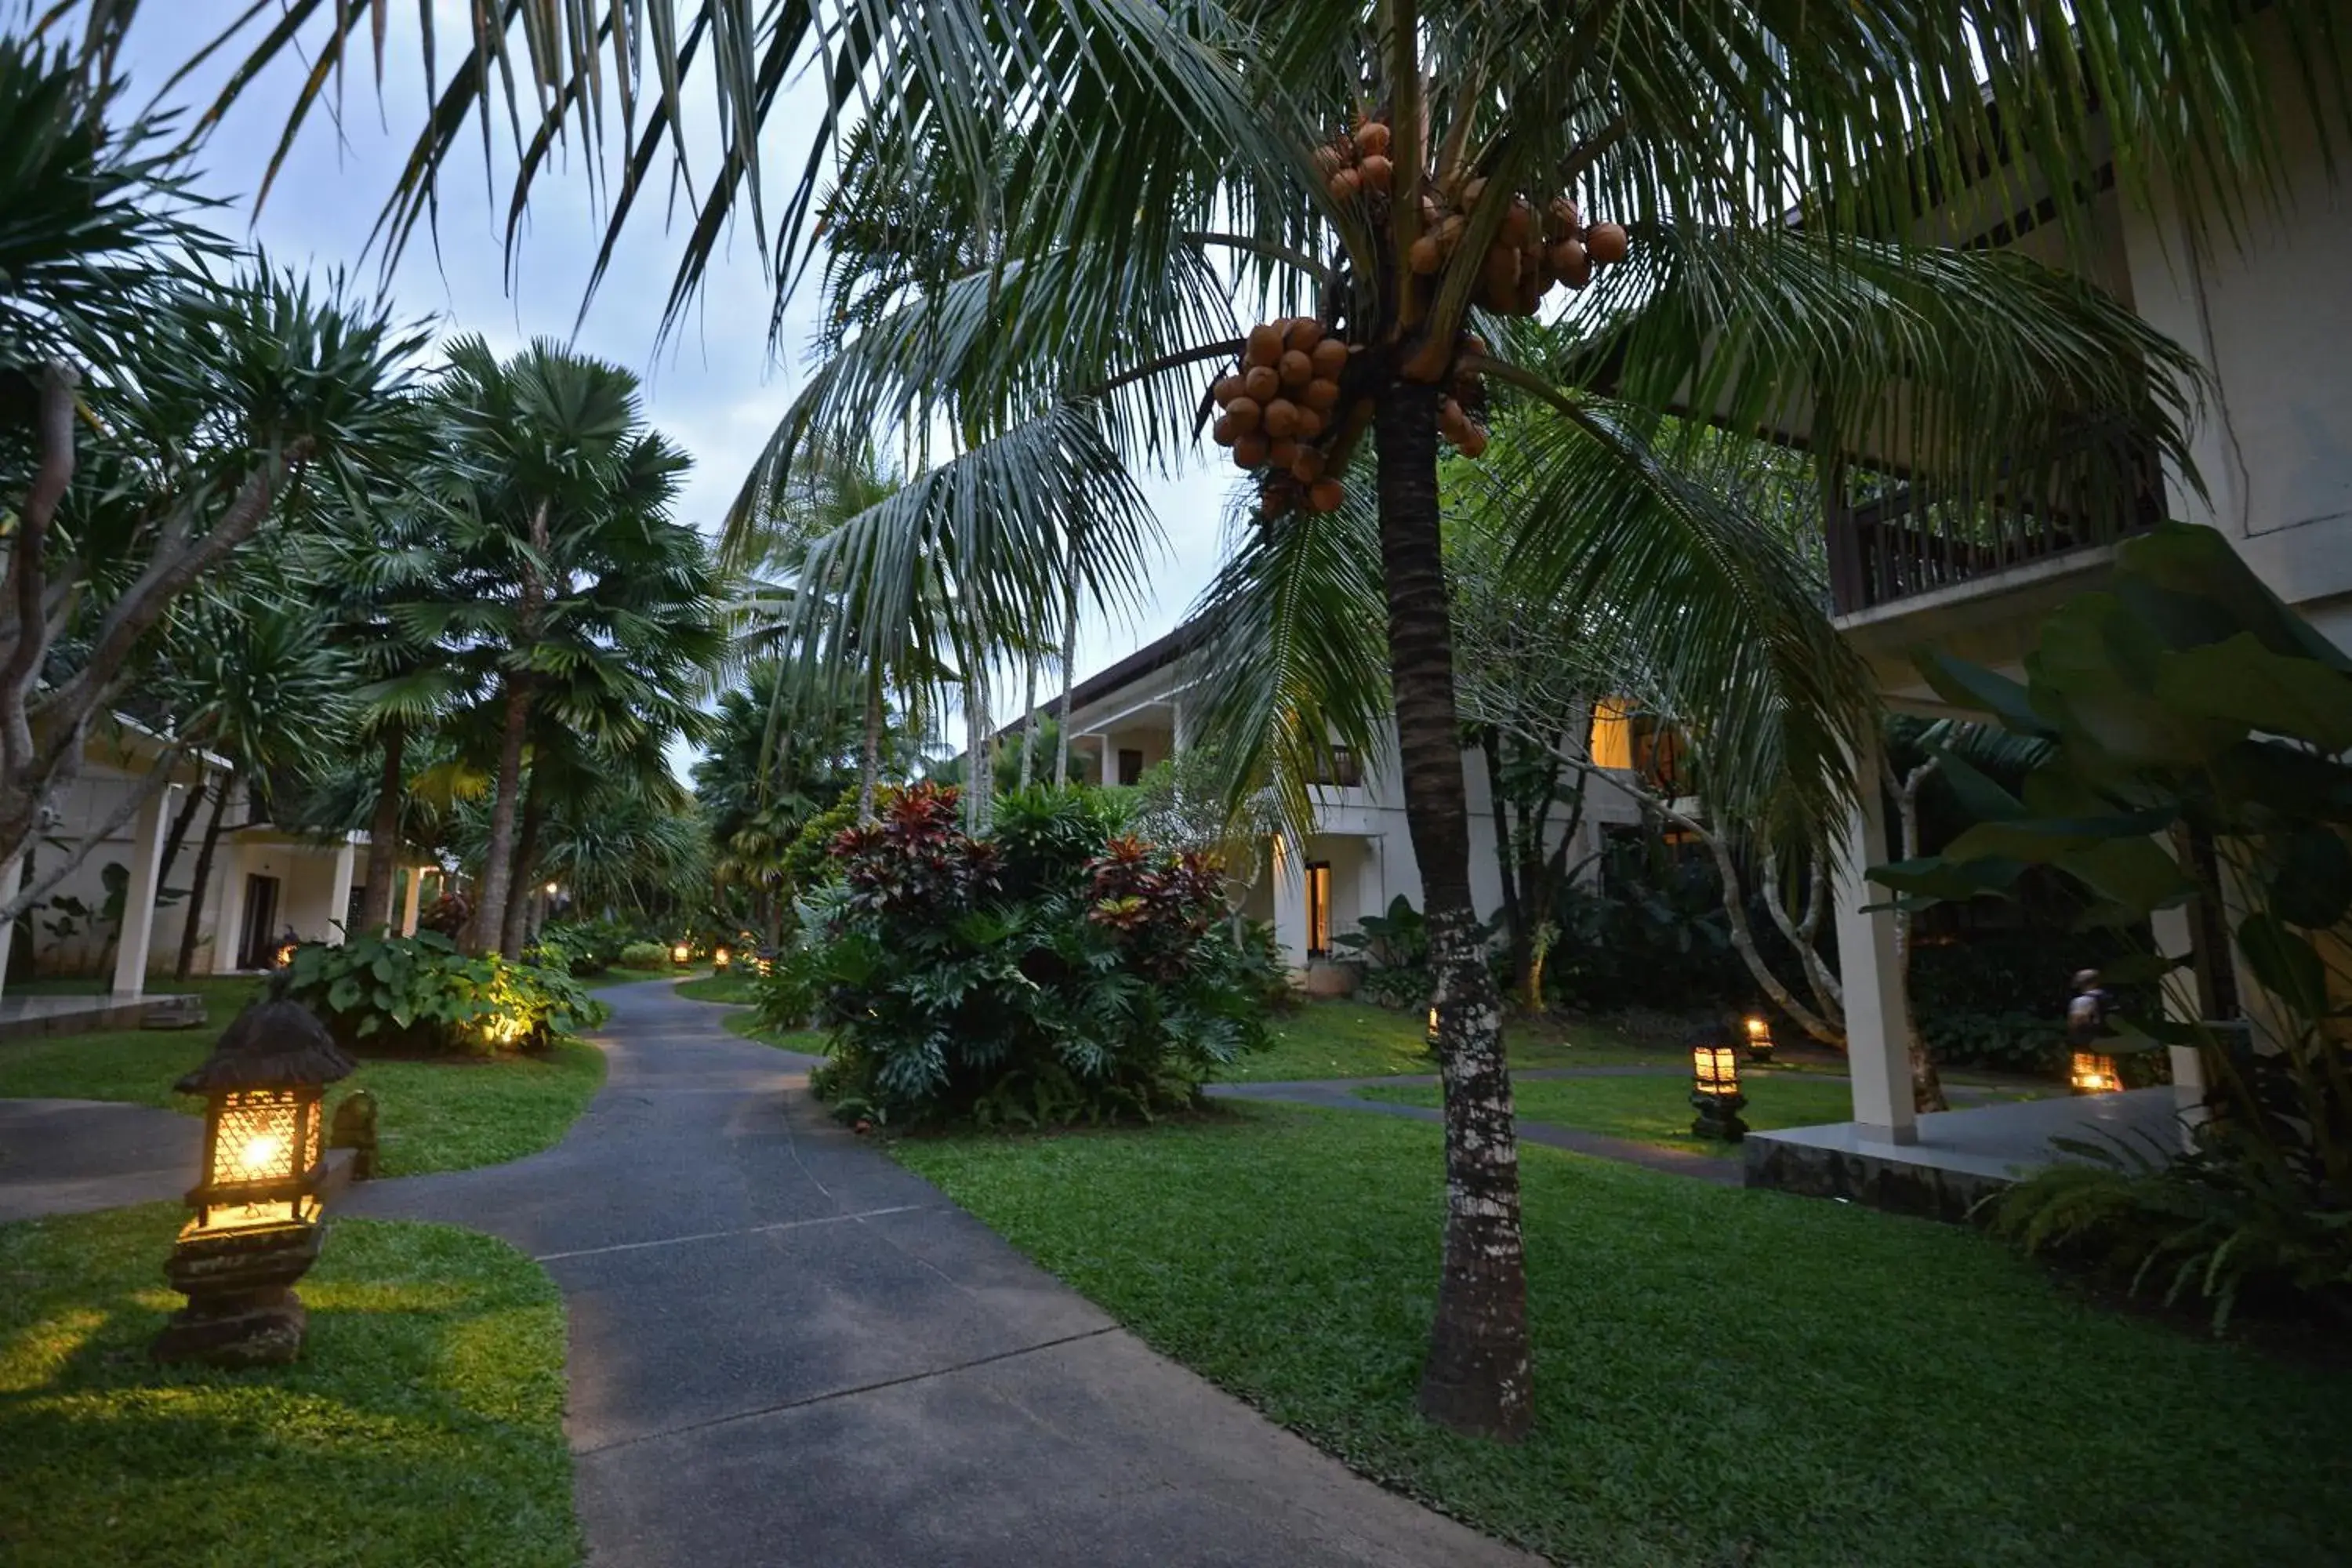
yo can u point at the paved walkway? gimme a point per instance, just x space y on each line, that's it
787 1350
71 1156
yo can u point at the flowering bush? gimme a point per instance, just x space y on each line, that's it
1054 970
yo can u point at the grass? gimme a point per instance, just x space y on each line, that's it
1657 1109
431 1115
737 987
1354 1039
618 975
1722 1377
424 1423
808 1042
223 994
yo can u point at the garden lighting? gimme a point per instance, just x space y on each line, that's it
1760 1038
2094 1072
680 954
256 1228
719 958
1432 1027
1715 1087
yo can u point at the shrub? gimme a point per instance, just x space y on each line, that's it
646 955
580 947
1394 952
1054 971
420 994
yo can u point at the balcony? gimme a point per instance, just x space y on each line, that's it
1906 541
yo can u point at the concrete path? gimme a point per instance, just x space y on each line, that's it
787 1350
71 1156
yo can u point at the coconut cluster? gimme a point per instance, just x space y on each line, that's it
1279 406
1531 251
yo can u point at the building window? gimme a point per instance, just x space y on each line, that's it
1339 768
1130 765
1318 909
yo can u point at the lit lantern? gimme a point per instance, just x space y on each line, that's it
681 952
256 1228
285 954
2094 1073
766 960
719 958
1760 1038
1715 1087
1430 1038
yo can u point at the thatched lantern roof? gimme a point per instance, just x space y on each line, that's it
271 1045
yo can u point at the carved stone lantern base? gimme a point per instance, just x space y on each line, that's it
242 1309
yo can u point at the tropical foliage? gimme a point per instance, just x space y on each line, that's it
419 996
1054 971
2195 733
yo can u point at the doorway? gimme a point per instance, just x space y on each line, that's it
258 938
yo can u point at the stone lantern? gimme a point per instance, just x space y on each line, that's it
256 1227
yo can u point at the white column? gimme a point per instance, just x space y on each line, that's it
1877 1055
138 930
338 894
412 903
12 881
228 918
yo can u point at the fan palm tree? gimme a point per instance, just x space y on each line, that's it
570 587
1128 171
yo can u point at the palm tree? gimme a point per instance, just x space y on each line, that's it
570 587
1122 168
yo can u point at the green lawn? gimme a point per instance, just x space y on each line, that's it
807 1041
740 987
431 1115
616 976
1722 1377
1354 1039
422 1426
223 994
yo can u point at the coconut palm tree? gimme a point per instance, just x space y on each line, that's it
1128 172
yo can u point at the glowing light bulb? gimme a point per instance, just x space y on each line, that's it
261 1153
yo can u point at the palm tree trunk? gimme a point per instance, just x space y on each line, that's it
523 880
869 764
1069 665
204 852
384 834
491 891
1476 1379
1029 720
1506 865
176 839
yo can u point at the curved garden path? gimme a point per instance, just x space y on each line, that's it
69 1156
785 1349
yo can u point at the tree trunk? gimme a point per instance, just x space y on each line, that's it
1927 1083
1476 1379
204 852
1515 926
869 763
482 930
176 839
1069 663
1029 720
524 879
384 835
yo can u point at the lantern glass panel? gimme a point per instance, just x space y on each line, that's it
1715 1070
2094 1073
261 1139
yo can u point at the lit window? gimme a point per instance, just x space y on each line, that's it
1318 909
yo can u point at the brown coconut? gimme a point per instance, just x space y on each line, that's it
1264 344
1310 421
1518 224
1222 432
1308 466
1281 418
1562 220
1244 414
1282 454
1262 384
1297 369
1606 243
1322 394
1228 387
1325 495
1302 334
1424 257
1346 185
1472 444
1372 138
1377 171
1331 357
1570 263
1249 452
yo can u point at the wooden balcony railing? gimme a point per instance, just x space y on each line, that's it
2098 488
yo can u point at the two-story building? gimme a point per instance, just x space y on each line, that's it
1358 857
2268 310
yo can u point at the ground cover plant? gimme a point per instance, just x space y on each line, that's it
379 992
423 1425
1339 1038
737 987
446 1115
1054 970
1721 1375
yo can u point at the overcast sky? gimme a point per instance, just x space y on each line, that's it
716 388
